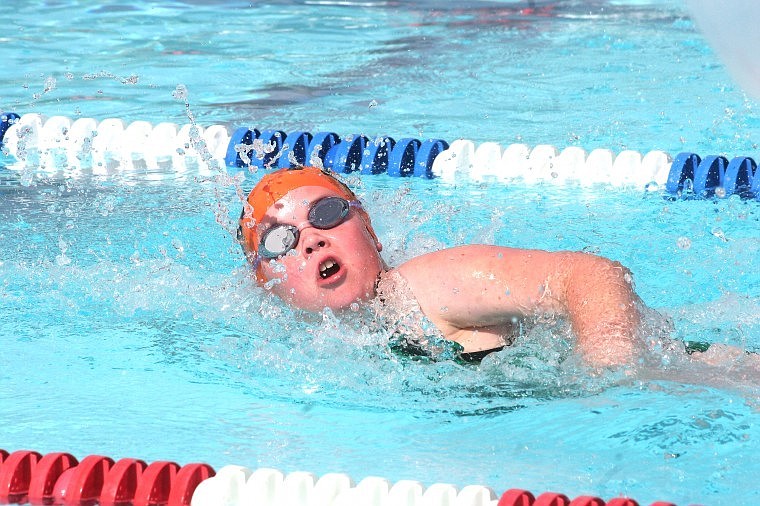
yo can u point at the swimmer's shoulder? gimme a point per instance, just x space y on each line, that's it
448 262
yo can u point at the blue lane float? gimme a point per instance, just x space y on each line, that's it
687 176
6 120
354 153
692 176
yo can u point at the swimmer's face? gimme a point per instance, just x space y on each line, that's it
327 268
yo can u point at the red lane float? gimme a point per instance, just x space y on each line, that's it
16 474
58 478
46 474
121 482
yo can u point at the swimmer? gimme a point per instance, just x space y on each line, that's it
312 243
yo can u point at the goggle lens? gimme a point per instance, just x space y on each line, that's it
278 240
328 212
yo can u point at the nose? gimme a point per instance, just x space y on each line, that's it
313 240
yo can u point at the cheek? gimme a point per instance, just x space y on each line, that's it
285 275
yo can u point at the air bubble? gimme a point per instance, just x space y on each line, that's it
684 243
720 192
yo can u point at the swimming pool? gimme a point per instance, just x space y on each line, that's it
135 331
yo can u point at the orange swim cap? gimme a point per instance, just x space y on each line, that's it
275 186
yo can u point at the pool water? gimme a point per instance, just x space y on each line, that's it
614 75
131 327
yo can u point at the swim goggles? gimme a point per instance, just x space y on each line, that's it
325 213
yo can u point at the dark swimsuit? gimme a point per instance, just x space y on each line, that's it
696 347
476 356
405 348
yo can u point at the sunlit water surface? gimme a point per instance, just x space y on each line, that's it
131 327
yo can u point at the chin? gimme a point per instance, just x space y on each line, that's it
343 301
343 304
317 304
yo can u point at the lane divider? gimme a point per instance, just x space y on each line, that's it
58 144
59 478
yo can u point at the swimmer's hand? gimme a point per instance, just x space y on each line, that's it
470 292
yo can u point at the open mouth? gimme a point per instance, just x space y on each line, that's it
328 268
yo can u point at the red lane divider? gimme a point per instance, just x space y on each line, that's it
58 478
517 497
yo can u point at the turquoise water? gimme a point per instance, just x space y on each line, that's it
130 327
570 73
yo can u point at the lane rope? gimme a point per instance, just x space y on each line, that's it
60 145
59 478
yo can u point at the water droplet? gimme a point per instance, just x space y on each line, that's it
180 92
652 186
50 84
269 284
684 243
718 232
133 79
720 192
177 245
372 104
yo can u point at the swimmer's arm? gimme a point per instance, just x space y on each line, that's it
476 288
603 309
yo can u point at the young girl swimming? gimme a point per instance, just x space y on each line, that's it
312 243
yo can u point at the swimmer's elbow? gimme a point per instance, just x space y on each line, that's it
603 310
